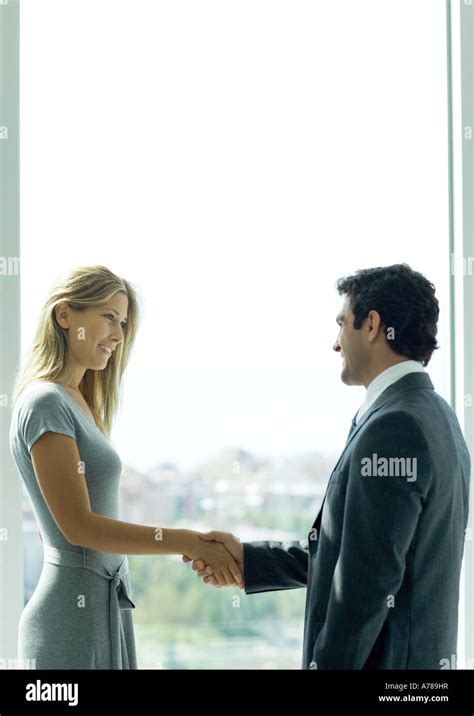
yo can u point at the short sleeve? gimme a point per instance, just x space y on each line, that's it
44 412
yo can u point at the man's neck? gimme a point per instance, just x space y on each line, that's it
383 366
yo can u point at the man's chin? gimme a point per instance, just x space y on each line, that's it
346 378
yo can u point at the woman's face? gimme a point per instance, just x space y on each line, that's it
95 332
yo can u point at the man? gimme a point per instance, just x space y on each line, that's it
383 558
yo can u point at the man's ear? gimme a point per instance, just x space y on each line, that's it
374 325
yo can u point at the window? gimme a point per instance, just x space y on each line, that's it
232 160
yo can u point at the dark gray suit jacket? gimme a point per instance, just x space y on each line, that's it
382 562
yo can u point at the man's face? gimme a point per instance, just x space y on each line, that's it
351 345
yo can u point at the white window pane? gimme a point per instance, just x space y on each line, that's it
233 160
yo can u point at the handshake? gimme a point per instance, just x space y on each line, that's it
218 559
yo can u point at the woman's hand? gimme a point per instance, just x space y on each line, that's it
224 567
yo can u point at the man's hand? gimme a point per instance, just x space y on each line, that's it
212 553
231 543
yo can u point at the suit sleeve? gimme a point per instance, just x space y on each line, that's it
379 525
271 566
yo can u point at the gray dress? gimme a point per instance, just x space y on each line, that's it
79 616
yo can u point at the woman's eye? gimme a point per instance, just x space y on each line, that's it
111 317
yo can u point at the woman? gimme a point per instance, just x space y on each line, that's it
65 399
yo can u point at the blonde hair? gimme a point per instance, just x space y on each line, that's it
82 288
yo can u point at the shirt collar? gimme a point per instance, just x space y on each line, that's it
385 379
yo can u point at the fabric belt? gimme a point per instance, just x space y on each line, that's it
119 596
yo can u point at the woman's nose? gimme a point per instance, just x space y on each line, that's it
116 335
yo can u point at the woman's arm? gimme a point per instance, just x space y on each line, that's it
60 475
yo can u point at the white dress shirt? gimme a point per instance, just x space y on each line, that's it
384 380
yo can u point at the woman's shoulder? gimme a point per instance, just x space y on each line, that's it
39 395
40 391
41 407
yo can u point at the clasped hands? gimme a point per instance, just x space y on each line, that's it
219 559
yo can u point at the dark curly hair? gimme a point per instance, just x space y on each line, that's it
406 302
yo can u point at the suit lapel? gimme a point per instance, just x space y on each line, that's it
411 381
408 382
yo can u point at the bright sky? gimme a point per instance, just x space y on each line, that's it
232 159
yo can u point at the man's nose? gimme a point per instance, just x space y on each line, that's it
336 347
